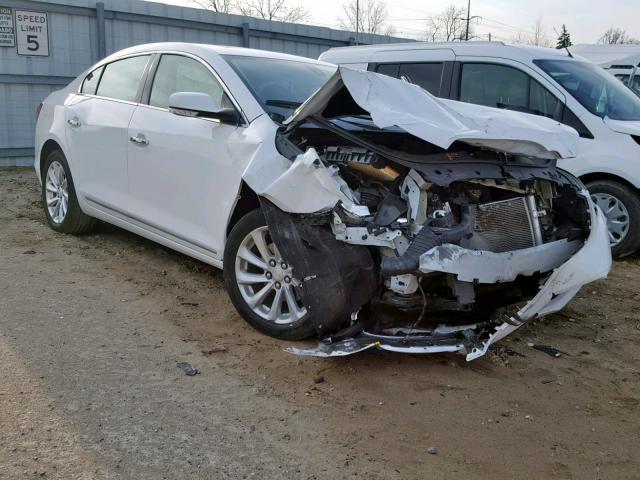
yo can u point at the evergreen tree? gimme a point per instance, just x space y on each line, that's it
564 39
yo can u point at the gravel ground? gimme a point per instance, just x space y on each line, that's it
92 329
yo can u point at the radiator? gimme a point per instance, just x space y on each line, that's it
506 225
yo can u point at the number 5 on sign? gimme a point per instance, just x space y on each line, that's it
32 33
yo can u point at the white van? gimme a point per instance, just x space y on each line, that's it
540 81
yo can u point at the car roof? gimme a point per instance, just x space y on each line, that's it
206 50
364 53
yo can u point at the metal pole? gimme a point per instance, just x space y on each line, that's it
246 41
466 35
357 19
102 40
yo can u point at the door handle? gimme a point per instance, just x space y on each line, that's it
139 140
74 122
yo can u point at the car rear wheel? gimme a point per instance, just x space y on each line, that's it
261 282
59 197
621 207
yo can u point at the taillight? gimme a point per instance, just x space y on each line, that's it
38 110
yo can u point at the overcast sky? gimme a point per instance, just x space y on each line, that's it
586 20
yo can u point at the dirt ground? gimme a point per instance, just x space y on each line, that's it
92 328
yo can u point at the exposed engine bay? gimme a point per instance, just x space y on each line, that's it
405 245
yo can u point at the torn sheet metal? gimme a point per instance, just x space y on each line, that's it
306 186
392 102
590 263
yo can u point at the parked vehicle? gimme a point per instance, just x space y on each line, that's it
373 217
621 61
539 81
629 76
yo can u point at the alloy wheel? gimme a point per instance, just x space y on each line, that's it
265 280
57 192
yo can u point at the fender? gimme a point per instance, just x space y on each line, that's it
614 166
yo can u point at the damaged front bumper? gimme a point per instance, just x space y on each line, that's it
589 263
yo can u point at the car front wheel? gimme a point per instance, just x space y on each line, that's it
621 207
261 282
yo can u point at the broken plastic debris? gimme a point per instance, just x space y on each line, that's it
365 341
188 369
554 352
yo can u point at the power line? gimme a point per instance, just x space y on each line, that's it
513 27
484 24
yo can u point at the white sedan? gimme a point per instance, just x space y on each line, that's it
339 203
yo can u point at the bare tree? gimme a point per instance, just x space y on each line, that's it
539 31
537 37
278 10
448 26
371 17
219 6
617 36
520 38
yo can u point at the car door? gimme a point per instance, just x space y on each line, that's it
97 121
183 179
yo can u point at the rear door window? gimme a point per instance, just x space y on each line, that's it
500 86
389 69
121 79
425 75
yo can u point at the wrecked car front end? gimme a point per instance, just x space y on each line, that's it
423 226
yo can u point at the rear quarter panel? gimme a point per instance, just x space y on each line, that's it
51 123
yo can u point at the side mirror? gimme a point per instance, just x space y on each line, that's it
195 104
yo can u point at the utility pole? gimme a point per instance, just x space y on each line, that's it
357 19
466 35
467 20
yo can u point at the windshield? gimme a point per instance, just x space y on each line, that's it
596 90
279 85
623 77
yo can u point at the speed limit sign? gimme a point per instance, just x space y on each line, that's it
32 33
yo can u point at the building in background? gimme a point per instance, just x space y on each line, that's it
44 45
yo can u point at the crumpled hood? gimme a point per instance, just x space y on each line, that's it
393 102
623 126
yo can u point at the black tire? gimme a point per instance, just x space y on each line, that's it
630 199
297 330
75 221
